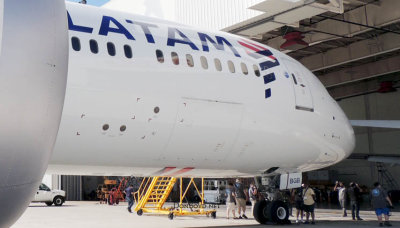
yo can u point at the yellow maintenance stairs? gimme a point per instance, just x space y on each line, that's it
154 191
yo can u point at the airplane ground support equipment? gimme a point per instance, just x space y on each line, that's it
154 191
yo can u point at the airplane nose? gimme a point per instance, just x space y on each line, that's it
350 139
33 75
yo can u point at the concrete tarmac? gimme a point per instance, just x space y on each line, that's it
95 215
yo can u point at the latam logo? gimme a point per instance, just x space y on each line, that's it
256 51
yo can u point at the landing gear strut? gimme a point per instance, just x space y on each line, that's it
271 212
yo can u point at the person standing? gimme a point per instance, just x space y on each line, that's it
341 196
297 194
379 200
355 195
230 201
129 197
240 195
309 203
253 195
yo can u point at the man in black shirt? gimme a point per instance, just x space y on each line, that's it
354 193
240 199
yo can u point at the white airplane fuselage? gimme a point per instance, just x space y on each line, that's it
86 94
191 120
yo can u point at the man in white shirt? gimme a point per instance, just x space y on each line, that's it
341 196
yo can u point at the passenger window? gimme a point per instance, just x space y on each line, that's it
94 47
111 48
128 51
218 64
175 58
204 62
189 59
244 69
256 70
76 43
160 56
231 66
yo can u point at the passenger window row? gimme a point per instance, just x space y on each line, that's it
94 48
204 63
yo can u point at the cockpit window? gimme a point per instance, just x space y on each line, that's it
160 56
76 43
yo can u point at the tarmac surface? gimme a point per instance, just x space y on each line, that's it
95 215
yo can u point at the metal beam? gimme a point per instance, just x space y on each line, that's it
371 15
356 51
361 72
357 89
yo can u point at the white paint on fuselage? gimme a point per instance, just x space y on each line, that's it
216 122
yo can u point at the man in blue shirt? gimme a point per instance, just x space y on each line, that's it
129 197
380 200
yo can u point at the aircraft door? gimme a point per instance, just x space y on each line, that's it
301 87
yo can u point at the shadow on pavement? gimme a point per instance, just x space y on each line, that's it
319 223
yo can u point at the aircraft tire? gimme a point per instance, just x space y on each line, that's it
260 212
278 212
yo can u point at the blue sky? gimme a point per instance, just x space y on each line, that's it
92 2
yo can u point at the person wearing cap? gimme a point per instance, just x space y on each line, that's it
240 195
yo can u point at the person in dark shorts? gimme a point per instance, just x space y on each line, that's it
297 194
380 200
240 195
309 203
354 193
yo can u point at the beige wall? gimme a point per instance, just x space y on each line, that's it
374 106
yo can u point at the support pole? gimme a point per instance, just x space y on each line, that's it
180 197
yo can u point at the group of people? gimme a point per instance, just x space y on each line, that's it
379 201
304 199
236 197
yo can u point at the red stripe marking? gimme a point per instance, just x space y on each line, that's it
255 49
182 171
164 170
167 169
249 47
254 44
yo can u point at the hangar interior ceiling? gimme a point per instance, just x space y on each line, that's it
352 52
356 55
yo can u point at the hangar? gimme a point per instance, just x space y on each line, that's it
352 46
